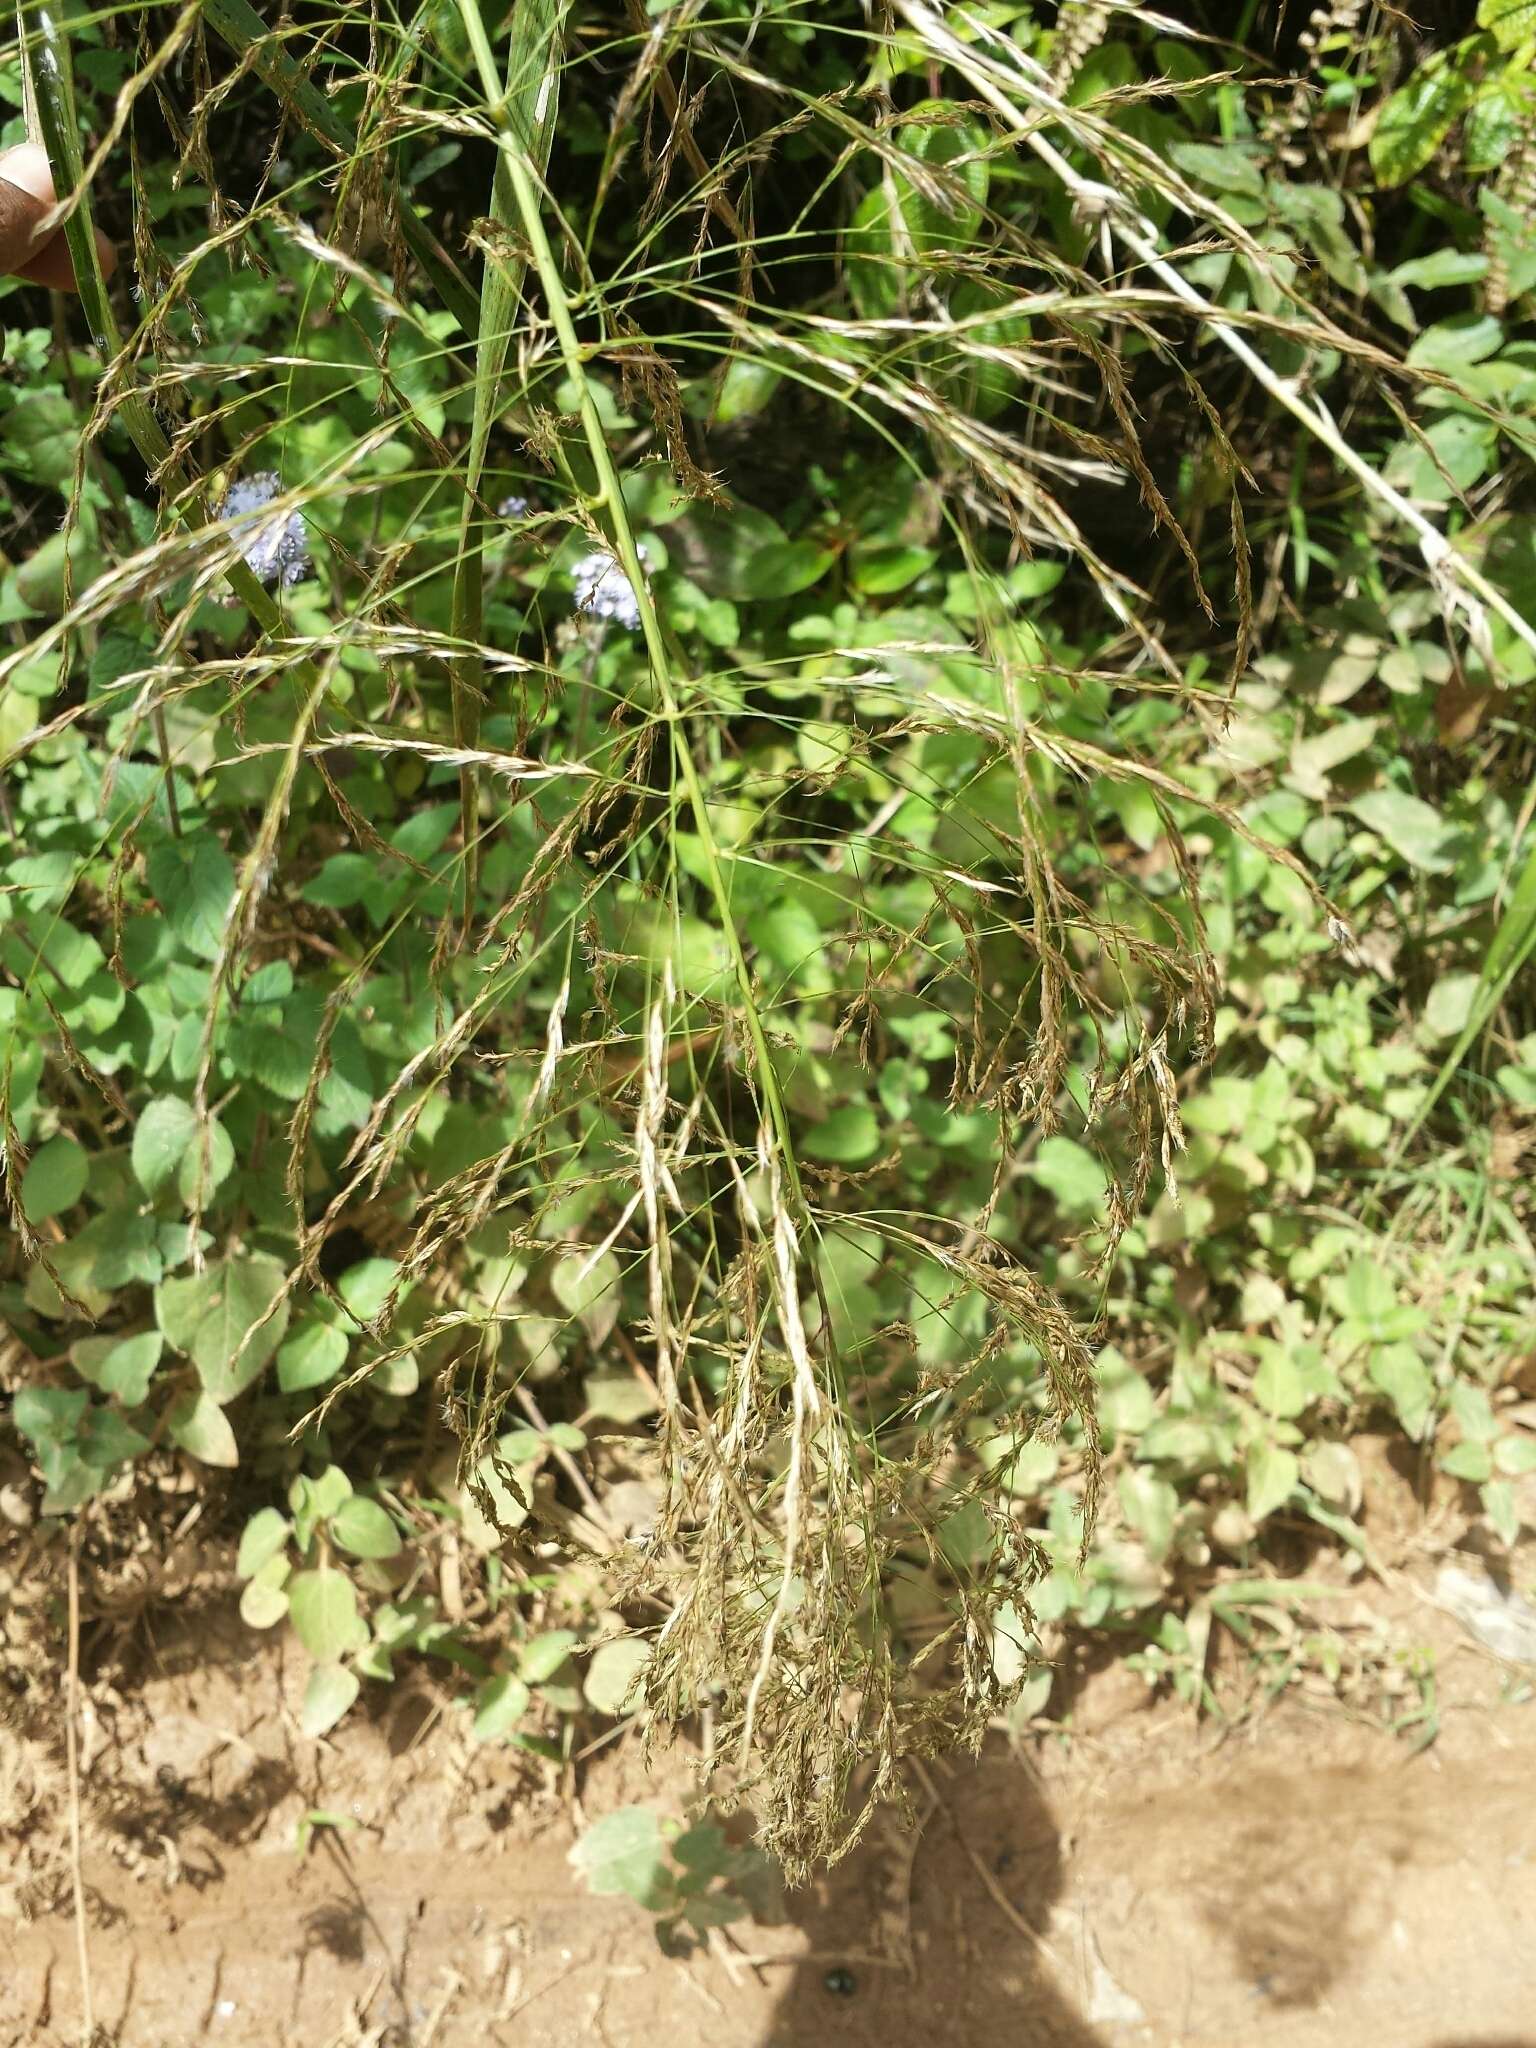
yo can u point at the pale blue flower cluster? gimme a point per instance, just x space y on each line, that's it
603 591
275 551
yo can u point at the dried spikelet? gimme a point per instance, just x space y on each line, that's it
642 371
776 1584
1081 27
1515 186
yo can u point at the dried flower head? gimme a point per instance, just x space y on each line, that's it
276 550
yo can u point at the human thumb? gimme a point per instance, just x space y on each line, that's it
26 195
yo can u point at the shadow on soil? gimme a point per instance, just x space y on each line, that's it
969 1900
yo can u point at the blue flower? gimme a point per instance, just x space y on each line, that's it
603 591
275 550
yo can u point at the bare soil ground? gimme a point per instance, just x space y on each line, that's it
1147 1882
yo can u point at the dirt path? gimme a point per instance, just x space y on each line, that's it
1145 1886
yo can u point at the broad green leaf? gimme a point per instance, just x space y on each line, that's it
1014 1648
1468 1461
1070 1172
375 1662
264 1601
118 655
1472 1411
588 1289
1449 1004
216 1317
1317 214
1441 267
49 1414
55 1179
942 207
106 1440
1273 1474
848 1137
40 579
1126 1401
200 1426
397 1377
1515 1455
1400 1374
1278 1386
965 1536
614 1673
618 1396
717 546
314 1354
1415 832
1513 942
41 433
787 933
1460 452
1512 22
345 879
262 1538
194 880
323 1606
626 1852
274 1044
1416 120
1314 760
1502 1510
786 568
1136 808
876 274
877 569
1496 122
323 1496
1332 1470
1455 344
746 388
331 1690
365 1287
1151 1506
500 1705
206 1164
1221 168
543 1655
121 1366
165 1128
365 1529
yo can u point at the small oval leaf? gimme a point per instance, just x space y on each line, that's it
202 1429
362 1527
324 1609
331 1690
499 1705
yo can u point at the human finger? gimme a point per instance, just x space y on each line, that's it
26 194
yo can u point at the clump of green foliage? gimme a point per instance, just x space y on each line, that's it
857 717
